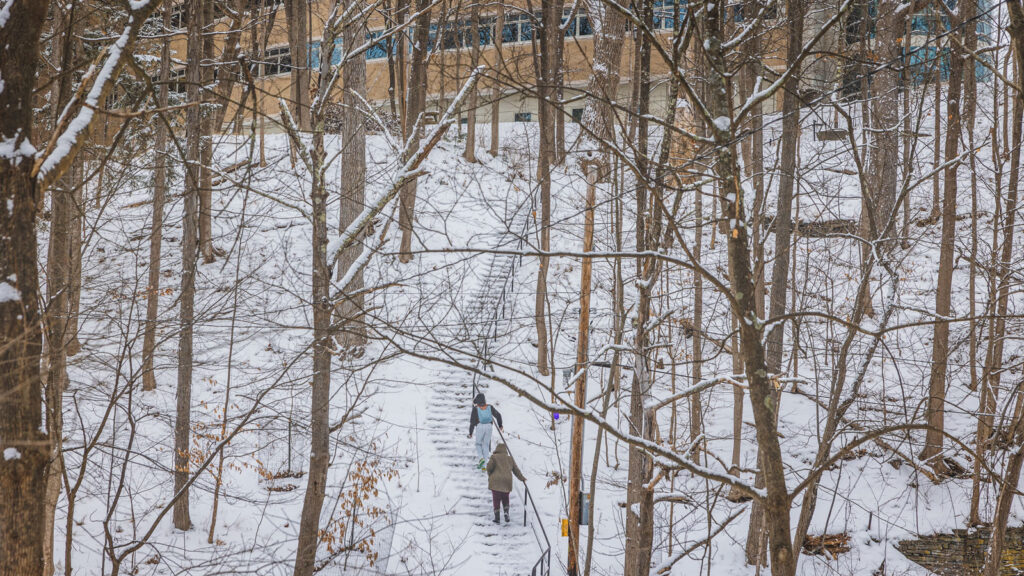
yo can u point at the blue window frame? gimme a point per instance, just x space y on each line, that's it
314 54
377 50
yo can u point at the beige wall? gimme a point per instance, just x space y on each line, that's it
448 69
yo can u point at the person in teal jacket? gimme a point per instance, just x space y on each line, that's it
481 419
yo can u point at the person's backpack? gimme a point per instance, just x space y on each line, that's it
484 414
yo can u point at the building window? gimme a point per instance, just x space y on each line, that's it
577 115
277 61
665 14
175 81
523 117
455 35
518 28
179 17
378 50
578 25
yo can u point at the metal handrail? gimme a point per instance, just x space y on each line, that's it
544 561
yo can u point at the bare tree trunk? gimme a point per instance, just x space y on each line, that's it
320 446
940 343
297 14
474 37
603 87
696 424
58 282
639 492
189 257
994 362
416 102
783 235
206 146
544 72
582 355
353 187
777 500
499 67
22 478
156 230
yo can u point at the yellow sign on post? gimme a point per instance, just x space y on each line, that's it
565 527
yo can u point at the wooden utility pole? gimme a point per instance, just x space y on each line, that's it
582 340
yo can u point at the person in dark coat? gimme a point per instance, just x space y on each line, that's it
499 478
480 419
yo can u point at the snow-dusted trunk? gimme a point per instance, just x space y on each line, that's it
189 257
156 230
416 102
353 186
58 282
602 89
319 450
883 170
24 448
765 405
783 236
943 296
994 364
649 202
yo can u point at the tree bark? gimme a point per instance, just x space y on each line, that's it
783 236
189 258
59 276
353 188
297 14
156 230
603 86
499 67
206 140
544 73
474 95
940 341
582 359
416 103
639 492
765 406
320 448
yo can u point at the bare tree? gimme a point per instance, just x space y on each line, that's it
415 106
297 14
189 257
156 229
353 184
943 295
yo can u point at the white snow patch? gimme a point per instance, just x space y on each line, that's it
8 293
723 123
15 148
5 14
12 454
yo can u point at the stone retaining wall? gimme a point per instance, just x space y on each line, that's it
962 553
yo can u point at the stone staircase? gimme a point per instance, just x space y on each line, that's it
508 549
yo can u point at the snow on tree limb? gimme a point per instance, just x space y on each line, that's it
61 150
408 172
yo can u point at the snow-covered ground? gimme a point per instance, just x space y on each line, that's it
402 446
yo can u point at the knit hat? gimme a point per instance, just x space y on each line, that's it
479 400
